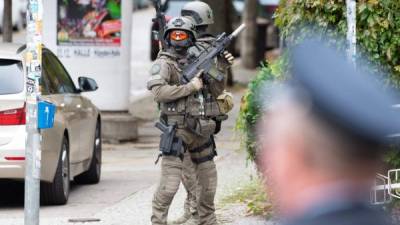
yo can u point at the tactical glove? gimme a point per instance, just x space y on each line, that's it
229 57
197 83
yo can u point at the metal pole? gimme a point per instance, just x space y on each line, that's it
33 59
7 21
351 30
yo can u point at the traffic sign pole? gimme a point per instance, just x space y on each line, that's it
33 59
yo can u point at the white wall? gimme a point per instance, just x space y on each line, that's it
112 72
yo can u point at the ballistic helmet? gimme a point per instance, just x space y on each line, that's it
199 11
180 23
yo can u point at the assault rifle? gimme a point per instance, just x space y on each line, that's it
204 62
161 21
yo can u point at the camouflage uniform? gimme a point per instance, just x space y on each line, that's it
179 105
202 14
189 179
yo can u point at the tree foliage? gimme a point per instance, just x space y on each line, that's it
378 39
251 107
378 28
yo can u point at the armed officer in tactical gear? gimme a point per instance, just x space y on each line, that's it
202 14
181 113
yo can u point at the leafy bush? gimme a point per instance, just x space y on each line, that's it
251 107
378 28
254 196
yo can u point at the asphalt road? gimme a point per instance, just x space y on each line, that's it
126 170
124 195
129 179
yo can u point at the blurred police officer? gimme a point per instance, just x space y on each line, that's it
181 107
202 15
322 138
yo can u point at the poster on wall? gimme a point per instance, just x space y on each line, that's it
89 23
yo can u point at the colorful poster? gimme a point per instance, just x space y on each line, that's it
89 23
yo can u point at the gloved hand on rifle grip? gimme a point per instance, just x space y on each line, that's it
197 82
229 57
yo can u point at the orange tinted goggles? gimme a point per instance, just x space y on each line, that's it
179 35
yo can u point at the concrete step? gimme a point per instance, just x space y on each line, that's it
119 126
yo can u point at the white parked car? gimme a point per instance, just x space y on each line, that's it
19 8
72 148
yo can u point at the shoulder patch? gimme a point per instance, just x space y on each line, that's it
155 69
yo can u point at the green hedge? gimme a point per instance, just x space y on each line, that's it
251 107
378 38
378 28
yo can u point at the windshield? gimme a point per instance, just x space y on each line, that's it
11 77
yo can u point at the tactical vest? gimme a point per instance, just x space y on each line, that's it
175 111
211 107
188 112
191 114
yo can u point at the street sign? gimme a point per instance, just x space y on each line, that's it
33 59
46 112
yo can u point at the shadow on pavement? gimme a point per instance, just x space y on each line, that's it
12 193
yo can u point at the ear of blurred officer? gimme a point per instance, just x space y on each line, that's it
320 160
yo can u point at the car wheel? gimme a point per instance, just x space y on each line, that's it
92 176
57 193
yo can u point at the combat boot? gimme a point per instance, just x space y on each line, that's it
193 220
181 220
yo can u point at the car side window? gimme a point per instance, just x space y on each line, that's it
44 84
62 75
49 76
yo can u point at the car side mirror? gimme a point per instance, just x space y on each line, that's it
87 84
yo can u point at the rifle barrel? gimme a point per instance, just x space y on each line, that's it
238 30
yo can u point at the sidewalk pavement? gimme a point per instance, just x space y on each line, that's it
242 75
233 171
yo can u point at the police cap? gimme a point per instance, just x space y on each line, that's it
344 96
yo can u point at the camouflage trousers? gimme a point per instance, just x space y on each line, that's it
190 182
171 176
